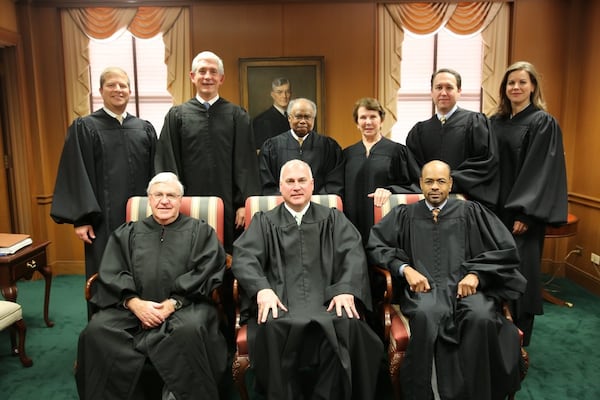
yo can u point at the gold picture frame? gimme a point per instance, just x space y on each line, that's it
304 73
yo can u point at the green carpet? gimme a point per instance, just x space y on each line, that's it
564 352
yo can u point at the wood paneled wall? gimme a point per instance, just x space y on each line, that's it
562 48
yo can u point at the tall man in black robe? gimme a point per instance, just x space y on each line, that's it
108 157
461 138
303 271
154 295
207 141
322 153
453 264
273 120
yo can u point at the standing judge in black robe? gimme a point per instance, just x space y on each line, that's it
322 153
208 143
375 167
461 138
154 295
303 271
533 183
107 157
451 274
273 120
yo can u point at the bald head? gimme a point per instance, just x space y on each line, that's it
436 182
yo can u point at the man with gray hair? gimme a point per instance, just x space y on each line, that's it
207 141
322 153
154 295
274 120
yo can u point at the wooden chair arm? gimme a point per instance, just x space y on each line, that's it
88 286
386 303
236 302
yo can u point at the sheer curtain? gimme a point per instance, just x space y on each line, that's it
81 24
491 18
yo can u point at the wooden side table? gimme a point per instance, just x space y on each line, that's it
22 265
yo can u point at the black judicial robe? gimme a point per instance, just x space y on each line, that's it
306 266
476 364
466 143
533 189
389 165
183 260
213 154
267 124
103 163
322 153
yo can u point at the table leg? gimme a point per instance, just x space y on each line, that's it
549 297
46 272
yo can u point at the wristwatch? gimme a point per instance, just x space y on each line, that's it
176 303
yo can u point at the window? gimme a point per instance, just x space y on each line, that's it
143 60
421 56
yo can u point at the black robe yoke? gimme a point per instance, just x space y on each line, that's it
533 189
322 153
213 154
465 142
103 163
306 266
473 361
182 260
267 124
389 165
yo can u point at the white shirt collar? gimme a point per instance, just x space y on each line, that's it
298 214
297 137
432 207
449 114
211 101
112 114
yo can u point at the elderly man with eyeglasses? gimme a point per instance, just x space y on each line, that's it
322 153
154 295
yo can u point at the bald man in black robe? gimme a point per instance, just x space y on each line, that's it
303 271
451 274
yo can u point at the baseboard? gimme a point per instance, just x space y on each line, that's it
584 279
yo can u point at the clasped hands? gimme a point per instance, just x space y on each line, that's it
268 301
418 283
150 313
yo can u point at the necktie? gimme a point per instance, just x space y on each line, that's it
300 140
435 212
298 219
120 119
443 119
206 105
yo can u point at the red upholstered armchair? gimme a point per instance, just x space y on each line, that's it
241 360
396 326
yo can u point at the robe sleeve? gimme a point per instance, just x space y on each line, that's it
334 169
245 165
493 254
168 150
477 175
267 167
540 190
74 200
388 241
404 172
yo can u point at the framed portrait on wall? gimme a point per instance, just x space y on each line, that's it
304 73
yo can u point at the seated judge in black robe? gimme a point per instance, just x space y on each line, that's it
463 139
107 157
303 272
207 141
450 278
273 120
375 167
533 179
154 296
322 153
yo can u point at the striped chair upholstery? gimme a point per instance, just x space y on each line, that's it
208 208
241 360
396 326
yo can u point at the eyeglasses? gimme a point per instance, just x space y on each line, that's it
170 196
302 117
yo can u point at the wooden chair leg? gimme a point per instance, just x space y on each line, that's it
238 370
19 350
395 360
